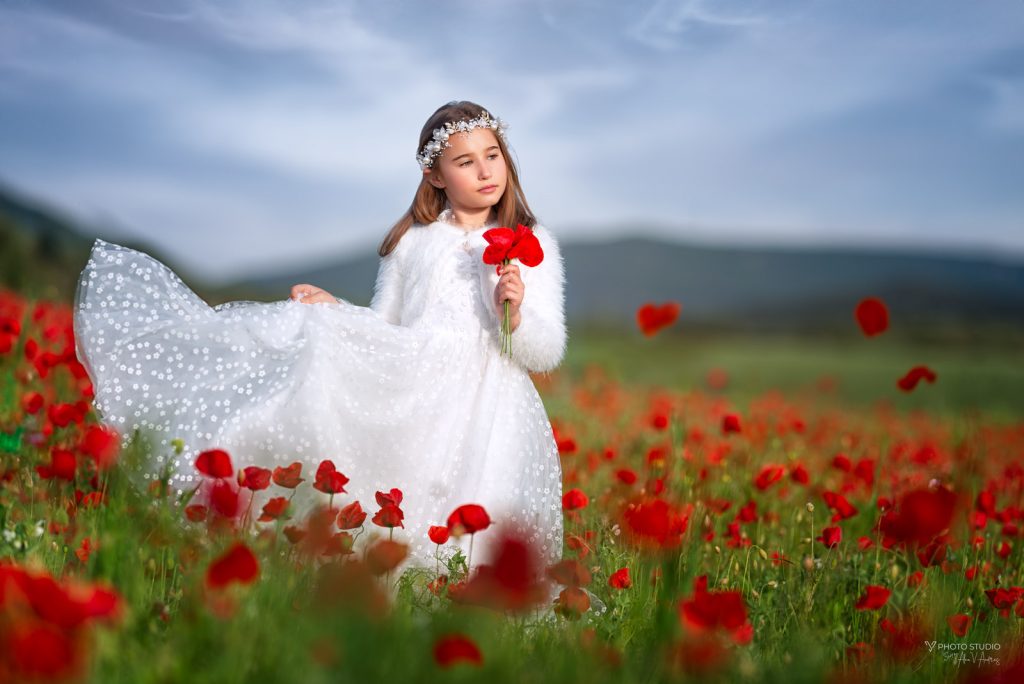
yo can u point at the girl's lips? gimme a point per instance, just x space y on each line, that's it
489 188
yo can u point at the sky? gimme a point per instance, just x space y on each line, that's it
247 137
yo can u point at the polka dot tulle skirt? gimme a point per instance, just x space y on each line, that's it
436 412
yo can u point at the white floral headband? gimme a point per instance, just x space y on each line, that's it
440 138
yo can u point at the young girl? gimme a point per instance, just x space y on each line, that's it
411 392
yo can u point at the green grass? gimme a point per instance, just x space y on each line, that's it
297 622
985 378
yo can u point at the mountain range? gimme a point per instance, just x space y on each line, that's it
719 287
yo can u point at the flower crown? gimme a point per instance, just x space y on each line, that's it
440 138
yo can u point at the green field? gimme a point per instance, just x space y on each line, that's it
784 599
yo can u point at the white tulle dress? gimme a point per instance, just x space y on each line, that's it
411 392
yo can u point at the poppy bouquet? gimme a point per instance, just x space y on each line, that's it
503 245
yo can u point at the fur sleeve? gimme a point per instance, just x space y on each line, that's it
539 343
387 291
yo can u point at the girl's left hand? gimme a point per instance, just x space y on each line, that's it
510 286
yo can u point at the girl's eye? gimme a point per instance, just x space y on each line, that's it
492 156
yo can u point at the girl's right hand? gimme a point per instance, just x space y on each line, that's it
311 294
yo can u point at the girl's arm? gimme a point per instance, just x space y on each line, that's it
387 292
539 342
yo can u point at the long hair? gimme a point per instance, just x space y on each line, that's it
429 201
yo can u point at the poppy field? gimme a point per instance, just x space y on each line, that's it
715 530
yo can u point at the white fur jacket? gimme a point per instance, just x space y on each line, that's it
428 273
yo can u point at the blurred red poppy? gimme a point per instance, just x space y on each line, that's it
651 318
215 463
913 376
959 623
468 519
237 564
275 509
385 555
831 536
873 598
574 499
452 649
769 475
872 316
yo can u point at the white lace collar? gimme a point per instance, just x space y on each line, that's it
447 218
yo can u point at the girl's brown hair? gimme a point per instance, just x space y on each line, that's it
428 202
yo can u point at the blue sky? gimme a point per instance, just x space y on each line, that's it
250 136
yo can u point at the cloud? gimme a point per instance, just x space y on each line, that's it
788 120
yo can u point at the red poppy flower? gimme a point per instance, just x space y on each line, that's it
620 579
237 564
43 651
913 376
385 555
224 499
574 499
959 623
468 518
438 534
389 515
32 402
730 423
799 474
874 597
920 515
351 516
1004 597
196 512
505 244
102 444
769 475
872 316
510 578
724 610
328 479
831 536
570 573
288 476
651 318
394 497
62 465
254 478
838 503
274 509
626 476
452 649
215 463
572 603
654 523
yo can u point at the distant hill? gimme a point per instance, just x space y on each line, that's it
42 250
753 289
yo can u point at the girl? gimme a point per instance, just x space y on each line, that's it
411 392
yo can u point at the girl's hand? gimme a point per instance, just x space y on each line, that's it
510 286
311 294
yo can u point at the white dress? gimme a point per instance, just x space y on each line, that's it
411 392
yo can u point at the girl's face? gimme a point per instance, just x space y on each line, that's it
471 164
